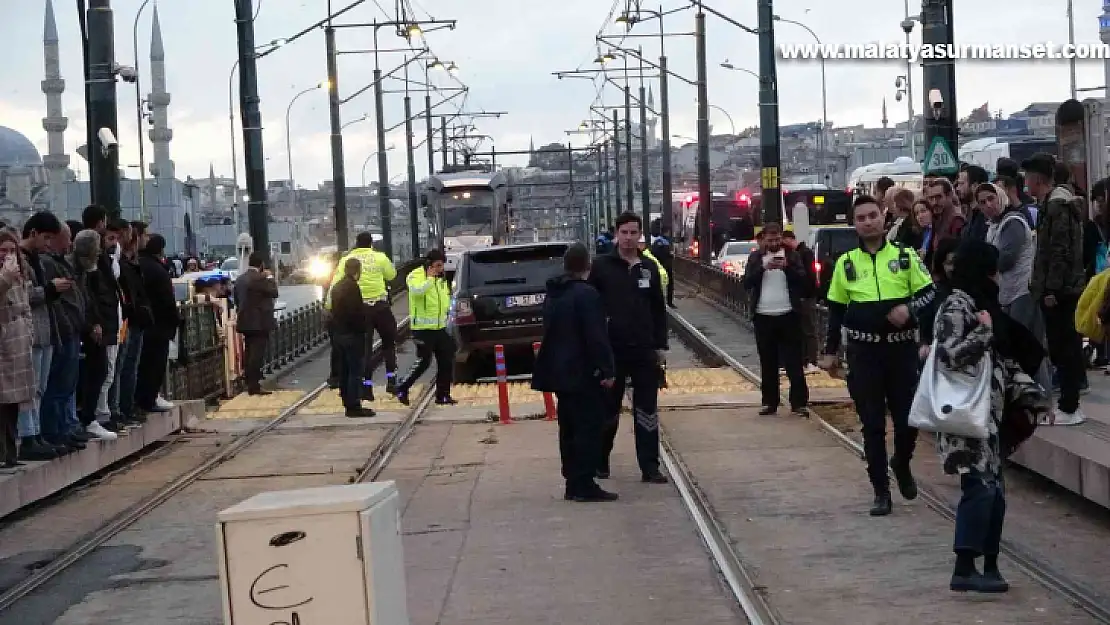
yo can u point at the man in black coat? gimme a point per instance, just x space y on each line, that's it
576 363
777 282
155 351
349 325
138 317
255 290
631 291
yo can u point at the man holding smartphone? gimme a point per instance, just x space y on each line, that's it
777 283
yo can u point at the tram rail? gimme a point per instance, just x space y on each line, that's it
376 462
1037 568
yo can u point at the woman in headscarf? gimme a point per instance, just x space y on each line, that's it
970 325
17 376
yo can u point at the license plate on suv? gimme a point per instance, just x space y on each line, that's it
514 301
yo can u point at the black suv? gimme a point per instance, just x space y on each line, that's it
498 300
828 244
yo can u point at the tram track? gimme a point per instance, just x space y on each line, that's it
376 462
728 559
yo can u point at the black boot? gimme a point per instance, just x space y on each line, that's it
654 477
402 396
907 486
391 384
32 451
965 577
882 505
446 400
992 578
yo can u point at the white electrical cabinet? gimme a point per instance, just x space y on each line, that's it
318 556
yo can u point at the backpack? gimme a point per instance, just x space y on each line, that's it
1087 321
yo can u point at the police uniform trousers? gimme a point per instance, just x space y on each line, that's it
582 418
432 343
642 367
380 319
882 377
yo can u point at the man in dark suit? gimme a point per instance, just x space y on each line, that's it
255 291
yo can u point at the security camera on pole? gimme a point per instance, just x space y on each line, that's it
941 127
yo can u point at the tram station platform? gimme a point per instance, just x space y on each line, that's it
1075 457
34 481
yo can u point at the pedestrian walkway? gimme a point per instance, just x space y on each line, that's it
489 539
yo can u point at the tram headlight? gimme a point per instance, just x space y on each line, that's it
319 268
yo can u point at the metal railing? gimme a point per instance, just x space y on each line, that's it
210 351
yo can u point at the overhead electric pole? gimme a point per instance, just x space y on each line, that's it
258 216
939 91
769 116
103 159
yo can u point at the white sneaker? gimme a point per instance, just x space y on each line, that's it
99 432
162 404
1066 418
812 369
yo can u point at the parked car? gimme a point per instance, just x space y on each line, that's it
498 300
734 256
828 243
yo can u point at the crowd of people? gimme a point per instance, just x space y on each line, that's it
983 271
87 313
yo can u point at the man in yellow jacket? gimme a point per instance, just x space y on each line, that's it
429 304
377 271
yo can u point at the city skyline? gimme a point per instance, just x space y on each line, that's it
508 68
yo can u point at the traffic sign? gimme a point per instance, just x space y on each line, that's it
939 158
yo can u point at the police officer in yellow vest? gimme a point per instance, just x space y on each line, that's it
429 303
377 271
876 292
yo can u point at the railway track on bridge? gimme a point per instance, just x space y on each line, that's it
1039 569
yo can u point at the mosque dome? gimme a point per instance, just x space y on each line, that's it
16 149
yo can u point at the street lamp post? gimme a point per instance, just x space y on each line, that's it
730 122
365 116
824 101
289 143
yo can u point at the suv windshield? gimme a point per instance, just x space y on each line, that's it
836 241
522 266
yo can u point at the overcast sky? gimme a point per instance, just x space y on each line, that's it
507 51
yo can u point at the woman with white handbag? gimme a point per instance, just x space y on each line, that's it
974 385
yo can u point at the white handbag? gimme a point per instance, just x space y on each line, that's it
953 402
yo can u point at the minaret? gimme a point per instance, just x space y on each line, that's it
886 121
653 121
160 134
56 160
212 188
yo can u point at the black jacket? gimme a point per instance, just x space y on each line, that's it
809 262
575 355
69 308
159 290
256 296
797 279
135 302
104 297
348 314
633 299
976 227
